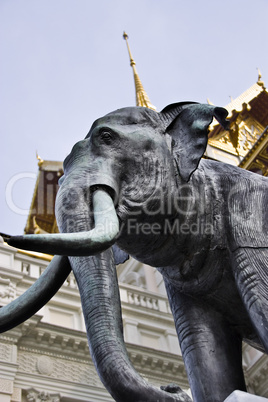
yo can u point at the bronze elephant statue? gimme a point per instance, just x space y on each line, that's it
136 185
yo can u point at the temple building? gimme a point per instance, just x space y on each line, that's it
245 143
47 358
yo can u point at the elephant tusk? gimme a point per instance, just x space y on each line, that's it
92 242
37 295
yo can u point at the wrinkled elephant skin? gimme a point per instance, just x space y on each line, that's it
138 181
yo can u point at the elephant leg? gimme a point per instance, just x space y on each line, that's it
211 349
250 268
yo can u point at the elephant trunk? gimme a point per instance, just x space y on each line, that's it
83 243
97 281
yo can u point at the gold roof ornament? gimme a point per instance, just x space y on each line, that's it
209 102
142 98
260 81
40 160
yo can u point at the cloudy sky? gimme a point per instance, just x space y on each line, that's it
64 63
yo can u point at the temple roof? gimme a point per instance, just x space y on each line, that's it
255 97
41 218
256 160
246 97
248 116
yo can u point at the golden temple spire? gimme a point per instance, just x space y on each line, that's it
142 98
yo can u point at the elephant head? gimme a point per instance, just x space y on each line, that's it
129 166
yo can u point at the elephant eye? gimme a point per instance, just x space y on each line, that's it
106 136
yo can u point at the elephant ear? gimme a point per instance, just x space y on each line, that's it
120 256
189 132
